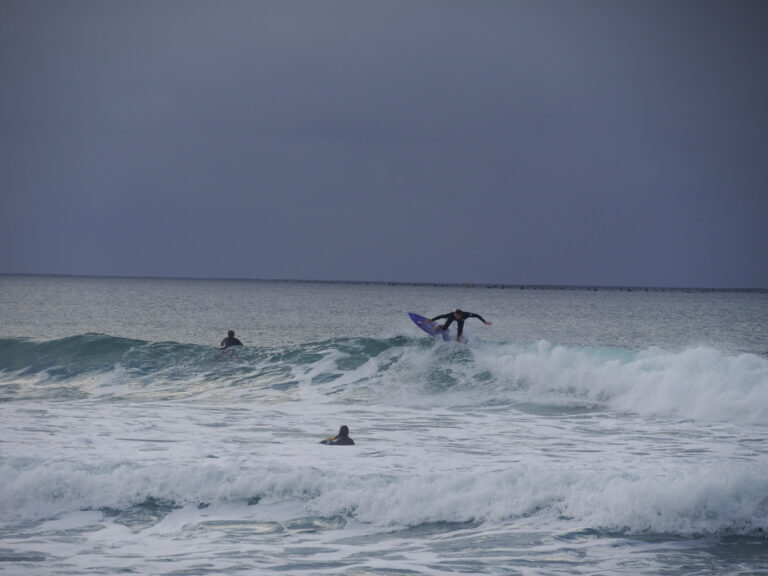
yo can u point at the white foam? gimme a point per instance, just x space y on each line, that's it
713 499
699 383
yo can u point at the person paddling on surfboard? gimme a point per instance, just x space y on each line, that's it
341 439
459 316
230 340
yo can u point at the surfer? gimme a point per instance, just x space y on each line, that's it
341 439
230 340
459 316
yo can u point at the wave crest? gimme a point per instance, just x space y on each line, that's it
698 383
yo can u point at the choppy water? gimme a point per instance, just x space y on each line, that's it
585 432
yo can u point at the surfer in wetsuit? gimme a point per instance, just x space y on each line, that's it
230 340
341 439
459 316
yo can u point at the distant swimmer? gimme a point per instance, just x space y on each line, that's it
341 439
230 340
459 316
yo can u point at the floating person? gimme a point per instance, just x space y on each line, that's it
229 345
459 316
341 439
230 340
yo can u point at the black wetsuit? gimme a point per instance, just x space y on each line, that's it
230 341
460 322
339 441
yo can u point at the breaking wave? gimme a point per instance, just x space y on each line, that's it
698 383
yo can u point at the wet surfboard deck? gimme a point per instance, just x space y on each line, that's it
431 328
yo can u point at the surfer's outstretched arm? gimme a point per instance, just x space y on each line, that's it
473 315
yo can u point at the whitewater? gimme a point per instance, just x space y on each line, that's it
588 431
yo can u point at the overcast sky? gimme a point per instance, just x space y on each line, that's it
524 142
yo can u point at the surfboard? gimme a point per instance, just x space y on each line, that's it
431 328
228 352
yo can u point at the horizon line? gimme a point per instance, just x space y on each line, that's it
487 285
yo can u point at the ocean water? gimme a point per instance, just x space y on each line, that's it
585 432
